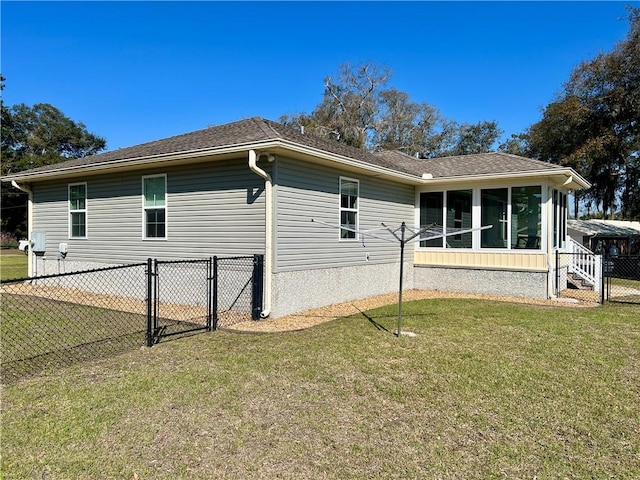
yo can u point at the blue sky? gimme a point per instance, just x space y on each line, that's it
135 72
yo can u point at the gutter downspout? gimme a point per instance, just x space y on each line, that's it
27 190
268 240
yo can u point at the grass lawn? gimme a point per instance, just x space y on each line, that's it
41 334
625 282
485 390
13 264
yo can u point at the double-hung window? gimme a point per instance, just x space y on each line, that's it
154 206
78 210
349 194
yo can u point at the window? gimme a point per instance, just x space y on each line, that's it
78 210
559 219
515 215
154 192
459 217
494 203
431 204
526 217
454 215
349 192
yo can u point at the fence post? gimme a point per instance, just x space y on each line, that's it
603 283
557 285
214 302
257 286
209 294
149 273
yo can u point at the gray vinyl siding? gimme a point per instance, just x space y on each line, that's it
212 209
307 191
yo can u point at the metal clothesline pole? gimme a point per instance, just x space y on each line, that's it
403 227
403 240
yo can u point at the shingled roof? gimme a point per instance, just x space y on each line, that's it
467 165
255 130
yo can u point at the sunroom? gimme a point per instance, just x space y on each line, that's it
527 220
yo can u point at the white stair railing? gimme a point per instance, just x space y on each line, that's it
585 264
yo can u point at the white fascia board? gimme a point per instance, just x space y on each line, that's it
351 163
576 181
136 162
194 155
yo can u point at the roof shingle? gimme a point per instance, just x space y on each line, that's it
257 129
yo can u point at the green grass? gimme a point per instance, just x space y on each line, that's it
625 282
484 390
12 265
41 334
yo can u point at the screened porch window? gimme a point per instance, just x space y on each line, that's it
455 214
431 204
515 215
459 204
349 193
494 202
155 206
559 219
526 217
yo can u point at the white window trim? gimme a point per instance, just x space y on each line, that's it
356 210
166 210
84 210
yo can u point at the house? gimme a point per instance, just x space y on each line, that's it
600 235
256 186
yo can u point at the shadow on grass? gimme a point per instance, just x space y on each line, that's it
49 362
376 321
371 320
65 357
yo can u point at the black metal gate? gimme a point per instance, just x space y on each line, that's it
180 298
188 296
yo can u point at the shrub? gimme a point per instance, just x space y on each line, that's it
8 240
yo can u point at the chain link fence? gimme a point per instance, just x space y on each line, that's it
239 286
54 321
579 276
598 278
622 279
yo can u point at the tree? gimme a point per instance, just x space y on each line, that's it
349 105
594 125
32 137
359 110
473 138
517 144
410 127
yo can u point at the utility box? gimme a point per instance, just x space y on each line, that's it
38 240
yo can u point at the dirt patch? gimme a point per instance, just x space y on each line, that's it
241 321
316 316
11 251
196 314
